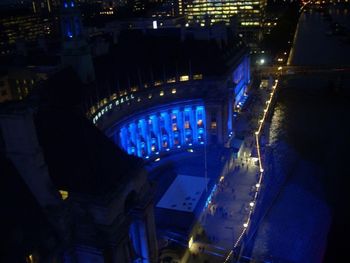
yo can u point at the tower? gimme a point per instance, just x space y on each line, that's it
76 52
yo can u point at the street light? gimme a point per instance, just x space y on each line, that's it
262 61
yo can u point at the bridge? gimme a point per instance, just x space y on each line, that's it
299 69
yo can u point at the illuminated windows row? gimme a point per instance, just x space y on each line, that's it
163 130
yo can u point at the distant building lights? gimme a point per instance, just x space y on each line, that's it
257 185
173 91
157 160
245 225
184 78
251 204
155 26
64 194
161 93
261 170
262 61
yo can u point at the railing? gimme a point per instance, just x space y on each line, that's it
253 203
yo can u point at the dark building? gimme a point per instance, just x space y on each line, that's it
95 199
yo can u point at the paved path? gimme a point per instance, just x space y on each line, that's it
224 218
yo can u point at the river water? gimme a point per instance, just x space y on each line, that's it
309 136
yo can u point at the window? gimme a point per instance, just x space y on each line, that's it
64 194
213 121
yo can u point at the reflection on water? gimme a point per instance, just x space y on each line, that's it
311 120
276 128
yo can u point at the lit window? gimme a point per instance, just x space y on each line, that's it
150 96
213 125
161 93
173 91
157 83
64 194
172 80
198 76
184 78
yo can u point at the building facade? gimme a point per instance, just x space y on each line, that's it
101 213
180 112
249 14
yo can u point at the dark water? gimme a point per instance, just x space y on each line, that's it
311 148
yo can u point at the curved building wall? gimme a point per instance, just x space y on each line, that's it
162 129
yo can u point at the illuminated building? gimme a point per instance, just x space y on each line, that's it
170 8
44 6
181 101
249 14
76 52
26 28
170 91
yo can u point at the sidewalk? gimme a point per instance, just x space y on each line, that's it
223 221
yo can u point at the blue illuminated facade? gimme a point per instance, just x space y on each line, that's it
162 130
71 23
241 79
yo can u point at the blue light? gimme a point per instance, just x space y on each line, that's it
161 131
65 5
72 4
210 196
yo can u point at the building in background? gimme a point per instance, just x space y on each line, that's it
20 30
44 7
249 14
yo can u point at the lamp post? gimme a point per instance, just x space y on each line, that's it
280 70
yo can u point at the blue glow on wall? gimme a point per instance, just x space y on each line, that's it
241 79
138 237
210 197
163 130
